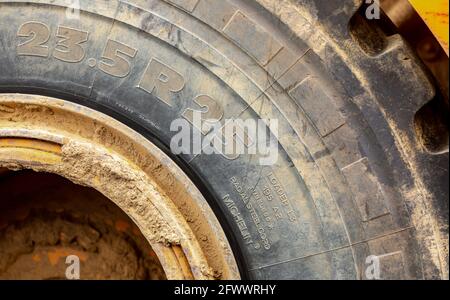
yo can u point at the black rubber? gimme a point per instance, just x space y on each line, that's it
351 181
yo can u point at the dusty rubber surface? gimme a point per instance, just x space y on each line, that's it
51 218
351 179
96 151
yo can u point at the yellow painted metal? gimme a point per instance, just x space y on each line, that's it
35 142
435 15
30 144
30 150
31 155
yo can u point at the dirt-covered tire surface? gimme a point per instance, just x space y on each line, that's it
352 179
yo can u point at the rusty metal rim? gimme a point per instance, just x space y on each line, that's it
40 146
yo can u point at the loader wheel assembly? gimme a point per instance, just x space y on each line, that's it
88 99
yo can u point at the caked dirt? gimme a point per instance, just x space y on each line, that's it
50 218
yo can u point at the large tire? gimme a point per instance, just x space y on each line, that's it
351 180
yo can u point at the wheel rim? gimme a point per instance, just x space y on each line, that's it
91 149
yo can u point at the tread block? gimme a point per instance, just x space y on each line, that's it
366 190
392 266
188 5
295 74
281 63
215 13
345 146
318 105
392 257
252 38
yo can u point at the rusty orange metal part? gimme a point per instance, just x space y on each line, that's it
435 15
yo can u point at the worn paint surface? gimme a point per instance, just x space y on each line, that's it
435 14
49 150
